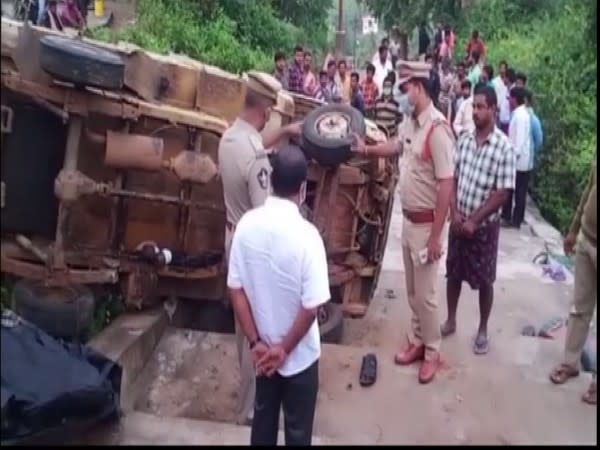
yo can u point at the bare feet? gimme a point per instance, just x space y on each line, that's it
590 396
448 328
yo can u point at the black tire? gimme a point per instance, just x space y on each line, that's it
332 329
327 150
64 312
81 63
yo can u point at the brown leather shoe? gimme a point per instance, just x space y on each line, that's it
428 369
413 353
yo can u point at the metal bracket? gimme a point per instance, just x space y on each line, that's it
7 115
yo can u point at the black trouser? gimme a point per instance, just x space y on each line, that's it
298 395
517 215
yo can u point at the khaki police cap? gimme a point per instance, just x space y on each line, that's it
263 84
412 69
285 104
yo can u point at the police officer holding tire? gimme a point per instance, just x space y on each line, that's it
426 144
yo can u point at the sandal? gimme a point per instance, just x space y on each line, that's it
368 370
563 373
590 396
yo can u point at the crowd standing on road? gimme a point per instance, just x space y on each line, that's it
468 143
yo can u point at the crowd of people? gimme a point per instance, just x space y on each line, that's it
58 14
467 141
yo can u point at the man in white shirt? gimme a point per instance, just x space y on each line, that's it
501 87
277 280
383 66
519 134
464 116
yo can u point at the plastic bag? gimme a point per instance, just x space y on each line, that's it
52 389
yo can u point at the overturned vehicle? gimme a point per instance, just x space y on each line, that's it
110 178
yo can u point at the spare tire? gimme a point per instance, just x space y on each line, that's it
62 312
327 133
81 63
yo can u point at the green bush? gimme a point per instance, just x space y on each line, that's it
235 35
553 42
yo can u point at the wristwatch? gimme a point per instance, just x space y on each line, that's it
254 343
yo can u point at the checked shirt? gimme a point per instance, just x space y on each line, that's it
481 171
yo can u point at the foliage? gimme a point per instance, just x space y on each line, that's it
236 35
554 43
108 308
410 13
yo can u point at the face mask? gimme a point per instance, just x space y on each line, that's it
387 91
404 105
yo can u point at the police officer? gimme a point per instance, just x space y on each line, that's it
245 171
426 143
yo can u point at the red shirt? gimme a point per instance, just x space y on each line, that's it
476 45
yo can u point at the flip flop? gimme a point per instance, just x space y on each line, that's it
368 370
481 346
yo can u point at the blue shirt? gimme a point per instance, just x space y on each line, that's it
537 134
357 101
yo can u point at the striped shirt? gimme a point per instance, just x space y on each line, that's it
387 115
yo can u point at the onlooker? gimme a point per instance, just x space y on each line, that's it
583 235
475 72
394 46
344 81
321 91
505 112
356 100
446 46
296 72
445 99
281 69
501 88
51 18
438 38
387 114
487 74
463 122
519 133
537 133
277 282
70 15
310 81
476 44
370 91
385 42
424 40
333 92
484 178
457 89
434 81
521 80
383 66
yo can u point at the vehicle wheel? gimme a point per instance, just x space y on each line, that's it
62 312
81 63
331 323
327 133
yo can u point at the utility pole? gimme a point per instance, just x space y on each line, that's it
340 34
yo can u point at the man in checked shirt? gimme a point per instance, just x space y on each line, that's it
484 176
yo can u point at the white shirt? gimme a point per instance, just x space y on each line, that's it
279 259
381 71
502 97
464 117
519 133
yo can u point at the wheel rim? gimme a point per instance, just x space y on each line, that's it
333 125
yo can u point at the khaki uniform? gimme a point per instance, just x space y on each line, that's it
246 173
586 283
418 187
